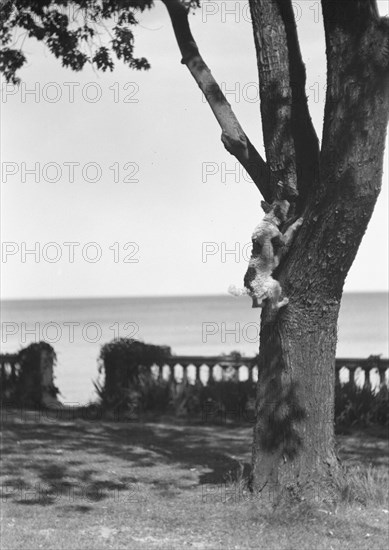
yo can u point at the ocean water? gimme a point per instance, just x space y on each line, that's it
212 325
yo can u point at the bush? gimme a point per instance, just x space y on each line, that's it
29 389
129 385
128 380
361 406
363 485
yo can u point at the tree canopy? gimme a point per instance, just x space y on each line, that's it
98 32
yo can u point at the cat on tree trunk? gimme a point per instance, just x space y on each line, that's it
332 189
270 244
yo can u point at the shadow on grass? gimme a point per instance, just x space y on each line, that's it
368 446
46 460
62 461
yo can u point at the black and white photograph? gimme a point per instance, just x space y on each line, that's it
194 292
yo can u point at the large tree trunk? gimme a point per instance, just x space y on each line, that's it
294 434
335 191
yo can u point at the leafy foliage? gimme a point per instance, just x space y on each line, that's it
132 352
74 31
31 354
126 363
217 402
363 485
28 386
361 406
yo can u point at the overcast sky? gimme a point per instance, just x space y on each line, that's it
133 163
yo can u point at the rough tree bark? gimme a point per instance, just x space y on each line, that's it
335 189
291 144
294 435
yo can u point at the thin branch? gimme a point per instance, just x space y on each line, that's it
233 137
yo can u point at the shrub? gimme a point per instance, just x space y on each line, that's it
363 485
362 406
28 390
129 384
128 380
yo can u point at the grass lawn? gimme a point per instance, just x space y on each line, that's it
84 484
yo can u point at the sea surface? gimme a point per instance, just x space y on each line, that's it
211 325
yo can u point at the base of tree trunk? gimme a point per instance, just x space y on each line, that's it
294 441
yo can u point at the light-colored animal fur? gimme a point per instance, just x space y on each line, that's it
269 245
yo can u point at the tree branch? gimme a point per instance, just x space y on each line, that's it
233 137
275 91
349 14
304 135
357 41
291 143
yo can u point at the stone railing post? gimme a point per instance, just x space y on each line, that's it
382 373
184 374
48 393
197 373
34 385
3 381
211 377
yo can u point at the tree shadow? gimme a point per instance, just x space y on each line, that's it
367 446
46 462
63 462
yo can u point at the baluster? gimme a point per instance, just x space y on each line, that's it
354 377
225 373
349 375
256 370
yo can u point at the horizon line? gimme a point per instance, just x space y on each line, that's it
153 296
